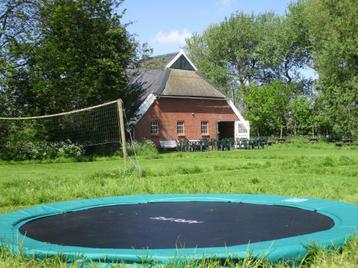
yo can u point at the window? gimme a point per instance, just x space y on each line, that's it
204 127
180 127
241 128
154 128
182 63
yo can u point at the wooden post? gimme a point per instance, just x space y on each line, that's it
122 134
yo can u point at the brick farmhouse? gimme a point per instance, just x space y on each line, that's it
179 103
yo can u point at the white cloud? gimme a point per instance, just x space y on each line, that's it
224 5
174 37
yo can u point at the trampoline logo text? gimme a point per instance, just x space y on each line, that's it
175 220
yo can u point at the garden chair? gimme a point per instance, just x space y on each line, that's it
204 145
212 144
219 145
196 146
245 144
179 146
225 144
186 145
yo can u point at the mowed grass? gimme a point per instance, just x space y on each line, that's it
319 170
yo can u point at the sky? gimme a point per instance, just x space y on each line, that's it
164 24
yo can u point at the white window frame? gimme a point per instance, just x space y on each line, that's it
183 128
204 124
154 125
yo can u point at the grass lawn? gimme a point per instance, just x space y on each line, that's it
319 170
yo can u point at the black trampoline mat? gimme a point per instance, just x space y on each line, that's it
175 225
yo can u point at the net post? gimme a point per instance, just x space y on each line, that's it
122 137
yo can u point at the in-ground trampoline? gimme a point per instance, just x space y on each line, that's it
162 228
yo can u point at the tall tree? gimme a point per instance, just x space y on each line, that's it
333 28
245 52
80 58
18 19
246 49
285 47
227 54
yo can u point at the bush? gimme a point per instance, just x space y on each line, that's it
146 148
40 150
70 150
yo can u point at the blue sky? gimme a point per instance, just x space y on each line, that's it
164 24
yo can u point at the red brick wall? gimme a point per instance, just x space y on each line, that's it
167 111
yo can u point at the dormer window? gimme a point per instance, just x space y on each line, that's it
182 62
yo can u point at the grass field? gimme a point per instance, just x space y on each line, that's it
319 170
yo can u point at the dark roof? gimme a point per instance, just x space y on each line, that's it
158 62
153 77
149 81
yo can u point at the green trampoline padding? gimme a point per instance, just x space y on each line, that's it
163 228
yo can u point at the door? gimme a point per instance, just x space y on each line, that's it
226 130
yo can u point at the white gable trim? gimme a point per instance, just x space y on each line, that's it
144 107
181 52
236 111
246 124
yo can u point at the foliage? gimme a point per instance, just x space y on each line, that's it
334 33
267 108
246 49
17 20
244 52
301 117
40 150
146 149
226 52
78 58
57 56
28 142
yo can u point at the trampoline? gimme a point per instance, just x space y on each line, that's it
163 228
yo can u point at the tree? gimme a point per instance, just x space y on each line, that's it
226 53
285 47
79 59
267 108
246 49
264 53
18 19
300 109
333 29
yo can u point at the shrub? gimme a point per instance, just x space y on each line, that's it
39 150
70 150
146 148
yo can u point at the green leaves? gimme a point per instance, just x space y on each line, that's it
267 107
246 49
334 33
250 55
79 58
